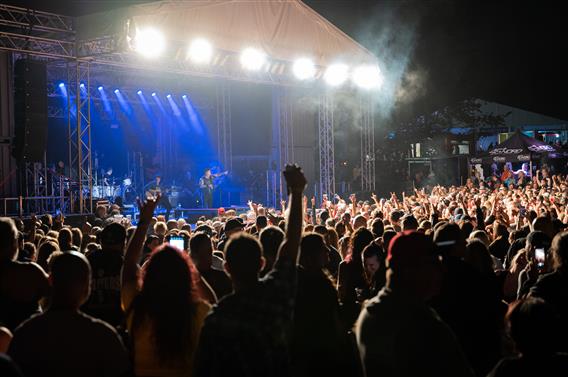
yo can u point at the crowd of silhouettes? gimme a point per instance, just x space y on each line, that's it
450 281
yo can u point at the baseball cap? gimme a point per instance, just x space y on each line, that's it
233 224
113 234
409 248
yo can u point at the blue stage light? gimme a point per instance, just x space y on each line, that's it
100 88
169 96
116 90
139 92
154 94
61 85
82 85
184 96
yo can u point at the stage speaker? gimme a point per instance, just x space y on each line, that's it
30 110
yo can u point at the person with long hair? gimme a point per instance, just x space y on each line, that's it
164 313
351 284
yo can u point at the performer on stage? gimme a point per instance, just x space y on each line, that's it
156 187
206 184
507 176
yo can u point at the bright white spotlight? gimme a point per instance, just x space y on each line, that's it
304 69
252 59
368 77
169 96
139 92
200 51
149 42
336 74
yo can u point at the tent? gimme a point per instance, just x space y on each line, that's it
283 30
518 148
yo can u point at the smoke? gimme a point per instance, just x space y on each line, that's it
390 34
412 86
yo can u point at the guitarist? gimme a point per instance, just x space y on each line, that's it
206 185
156 187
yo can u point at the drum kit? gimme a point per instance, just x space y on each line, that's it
110 189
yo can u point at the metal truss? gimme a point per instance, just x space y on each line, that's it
367 144
224 136
35 32
79 135
285 143
326 146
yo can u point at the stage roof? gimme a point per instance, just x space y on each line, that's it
284 30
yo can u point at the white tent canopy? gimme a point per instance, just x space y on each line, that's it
283 30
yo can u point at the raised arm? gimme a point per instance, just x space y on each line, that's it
134 250
296 183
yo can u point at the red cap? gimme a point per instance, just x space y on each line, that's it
409 247
220 211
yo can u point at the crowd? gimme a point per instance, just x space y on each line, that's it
452 281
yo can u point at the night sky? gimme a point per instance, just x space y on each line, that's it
505 51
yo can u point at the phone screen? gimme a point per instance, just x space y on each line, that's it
539 256
177 241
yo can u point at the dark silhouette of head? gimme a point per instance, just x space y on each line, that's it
271 238
113 237
413 268
8 239
65 239
377 228
533 325
560 251
313 252
70 278
243 259
360 238
261 222
201 251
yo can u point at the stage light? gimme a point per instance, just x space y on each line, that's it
139 92
336 74
304 69
252 59
100 88
169 96
368 77
116 90
149 42
184 96
82 86
200 51
61 85
154 94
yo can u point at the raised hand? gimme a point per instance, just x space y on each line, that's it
148 207
313 201
295 179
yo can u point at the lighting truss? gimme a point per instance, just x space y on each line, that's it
326 146
285 134
224 137
367 143
79 134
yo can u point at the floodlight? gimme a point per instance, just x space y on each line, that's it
252 59
169 96
184 96
139 92
116 90
154 94
336 74
82 86
200 51
304 69
100 88
149 42
61 85
368 77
